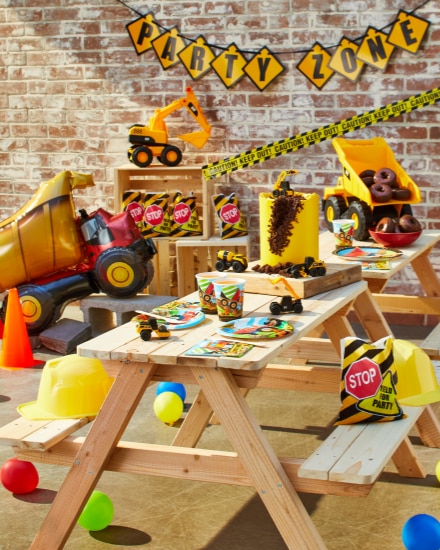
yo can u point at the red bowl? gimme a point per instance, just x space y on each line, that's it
395 239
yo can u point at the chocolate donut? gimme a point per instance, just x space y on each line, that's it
367 174
368 180
401 194
409 224
381 192
386 225
385 176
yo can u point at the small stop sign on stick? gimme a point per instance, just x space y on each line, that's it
363 378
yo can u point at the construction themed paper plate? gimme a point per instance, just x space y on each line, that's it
257 327
179 315
367 253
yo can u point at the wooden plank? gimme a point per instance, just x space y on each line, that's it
399 303
337 275
358 453
188 464
39 434
431 344
312 378
105 433
259 459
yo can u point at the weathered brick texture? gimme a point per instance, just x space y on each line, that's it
71 84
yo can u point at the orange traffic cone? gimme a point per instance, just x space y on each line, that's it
16 349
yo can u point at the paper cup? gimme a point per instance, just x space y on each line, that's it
343 231
205 286
229 295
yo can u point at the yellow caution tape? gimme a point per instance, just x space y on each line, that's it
311 137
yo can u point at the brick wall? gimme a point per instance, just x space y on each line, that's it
72 84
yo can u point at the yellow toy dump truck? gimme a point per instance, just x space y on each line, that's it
53 256
362 193
152 140
227 259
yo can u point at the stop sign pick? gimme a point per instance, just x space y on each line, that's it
363 378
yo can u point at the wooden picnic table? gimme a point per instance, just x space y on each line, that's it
222 383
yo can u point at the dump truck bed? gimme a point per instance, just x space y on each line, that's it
368 154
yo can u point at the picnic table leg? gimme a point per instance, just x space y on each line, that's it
426 274
195 422
88 465
428 427
372 319
259 459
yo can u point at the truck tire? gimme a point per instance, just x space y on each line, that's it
237 267
38 306
298 308
360 212
171 156
142 156
121 273
275 308
220 266
334 209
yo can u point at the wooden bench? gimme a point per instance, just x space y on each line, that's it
431 344
358 453
39 434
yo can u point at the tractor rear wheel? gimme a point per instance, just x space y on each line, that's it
121 273
334 209
360 212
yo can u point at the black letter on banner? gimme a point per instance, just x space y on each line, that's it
263 64
230 65
145 32
197 59
319 58
407 32
376 48
169 49
348 59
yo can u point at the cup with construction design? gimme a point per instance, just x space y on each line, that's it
205 286
229 296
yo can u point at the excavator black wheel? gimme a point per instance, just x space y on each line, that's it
141 156
171 155
121 273
334 208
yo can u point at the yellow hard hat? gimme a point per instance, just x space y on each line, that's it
416 380
70 387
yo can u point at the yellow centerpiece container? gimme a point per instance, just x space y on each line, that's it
304 231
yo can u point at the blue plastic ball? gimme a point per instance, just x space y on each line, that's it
421 532
175 387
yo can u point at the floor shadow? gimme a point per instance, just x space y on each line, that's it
38 496
120 535
252 527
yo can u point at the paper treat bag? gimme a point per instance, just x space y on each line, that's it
368 382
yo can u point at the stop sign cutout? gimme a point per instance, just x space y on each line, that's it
136 211
229 213
153 214
363 378
182 213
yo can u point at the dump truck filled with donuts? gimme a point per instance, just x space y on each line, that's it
373 186
54 256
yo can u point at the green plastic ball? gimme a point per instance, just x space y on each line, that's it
97 513
168 407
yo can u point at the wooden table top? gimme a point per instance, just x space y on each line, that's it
426 241
123 343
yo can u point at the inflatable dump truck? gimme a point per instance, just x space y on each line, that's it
54 256
357 197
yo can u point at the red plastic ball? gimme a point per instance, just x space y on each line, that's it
19 476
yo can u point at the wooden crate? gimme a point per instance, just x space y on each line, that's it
337 275
164 179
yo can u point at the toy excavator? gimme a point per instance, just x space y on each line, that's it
282 185
287 304
152 140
